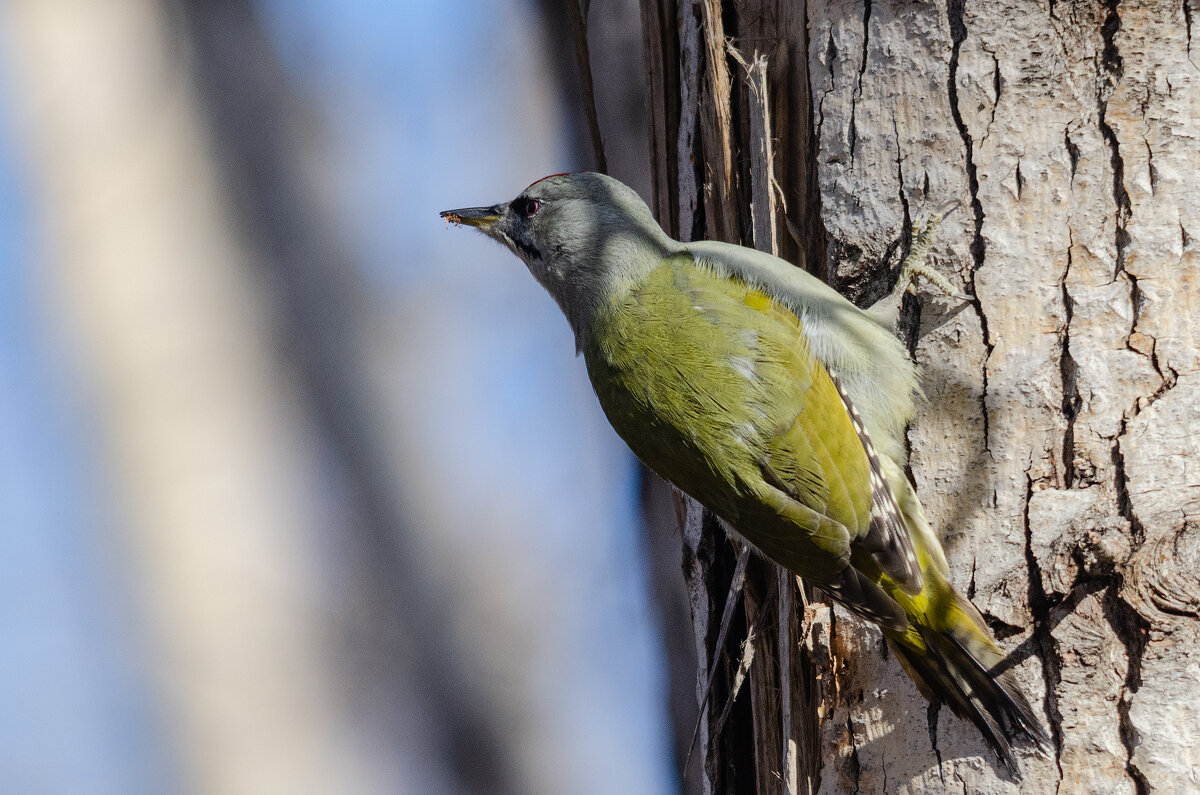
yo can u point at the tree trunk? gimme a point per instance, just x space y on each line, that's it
1056 449
202 437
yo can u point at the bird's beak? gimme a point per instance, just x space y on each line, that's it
481 218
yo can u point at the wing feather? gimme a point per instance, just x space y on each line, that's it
887 537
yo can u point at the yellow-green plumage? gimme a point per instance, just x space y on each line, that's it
749 423
724 416
777 404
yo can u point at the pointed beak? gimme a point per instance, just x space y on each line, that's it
481 218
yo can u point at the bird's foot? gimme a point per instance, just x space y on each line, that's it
914 268
910 273
914 264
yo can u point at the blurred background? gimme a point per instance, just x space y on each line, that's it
301 490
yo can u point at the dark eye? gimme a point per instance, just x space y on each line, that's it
526 207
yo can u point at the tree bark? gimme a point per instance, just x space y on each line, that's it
1056 449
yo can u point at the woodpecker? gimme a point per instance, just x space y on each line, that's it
779 405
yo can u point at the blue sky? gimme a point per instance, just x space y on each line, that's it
425 106
75 717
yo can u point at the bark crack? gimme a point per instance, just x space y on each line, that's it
1072 152
1169 379
900 180
1120 195
1109 28
1039 608
1187 26
909 325
831 53
862 68
855 763
1135 292
1112 64
1124 505
958 34
931 718
997 88
1152 167
1069 372
1133 632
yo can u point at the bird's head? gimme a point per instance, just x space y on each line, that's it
579 235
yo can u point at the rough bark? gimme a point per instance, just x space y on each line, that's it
1056 449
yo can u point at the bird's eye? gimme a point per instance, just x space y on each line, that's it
526 207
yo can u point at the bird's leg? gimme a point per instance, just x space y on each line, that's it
887 309
914 264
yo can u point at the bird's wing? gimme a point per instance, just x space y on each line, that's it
815 446
872 365
888 538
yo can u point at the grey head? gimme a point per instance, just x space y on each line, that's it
582 236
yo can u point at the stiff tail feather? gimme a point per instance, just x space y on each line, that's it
958 665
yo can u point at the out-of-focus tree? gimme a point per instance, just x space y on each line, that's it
310 625
210 442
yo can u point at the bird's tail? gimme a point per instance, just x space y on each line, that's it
949 652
